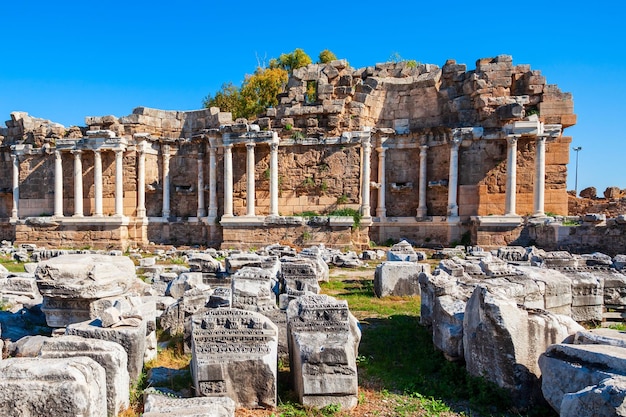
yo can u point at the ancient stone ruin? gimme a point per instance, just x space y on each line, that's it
235 355
422 152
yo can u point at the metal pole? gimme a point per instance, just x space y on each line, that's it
577 149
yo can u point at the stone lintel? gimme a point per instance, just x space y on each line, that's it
508 221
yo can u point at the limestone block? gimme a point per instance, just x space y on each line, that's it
555 288
606 399
402 251
252 289
131 338
516 337
157 405
619 262
601 336
614 287
184 282
571 368
323 341
448 313
299 274
110 355
177 314
85 276
234 354
398 278
587 295
32 387
203 262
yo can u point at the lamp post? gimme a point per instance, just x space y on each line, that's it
577 149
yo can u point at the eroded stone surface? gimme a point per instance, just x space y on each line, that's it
234 354
70 387
110 355
323 342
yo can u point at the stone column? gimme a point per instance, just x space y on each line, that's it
119 183
381 210
78 184
540 177
422 209
141 181
511 176
58 184
250 187
166 180
16 186
453 177
274 177
228 181
97 182
365 177
212 183
201 208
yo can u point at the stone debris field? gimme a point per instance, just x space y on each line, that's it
516 316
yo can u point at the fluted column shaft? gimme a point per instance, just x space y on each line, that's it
511 176
250 187
78 184
422 209
166 181
119 183
58 184
453 178
212 184
274 179
97 182
16 186
540 177
201 208
381 210
228 181
141 182
365 177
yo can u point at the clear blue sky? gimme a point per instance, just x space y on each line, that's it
69 59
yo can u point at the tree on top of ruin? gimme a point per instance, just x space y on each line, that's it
326 56
291 61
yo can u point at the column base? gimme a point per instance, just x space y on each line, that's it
78 215
421 213
381 213
201 213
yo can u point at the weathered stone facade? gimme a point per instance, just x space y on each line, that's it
417 150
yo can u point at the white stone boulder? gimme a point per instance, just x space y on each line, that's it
571 369
252 289
323 338
110 355
131 338
399 278
234 354
158 405
34 387
502 342
85 276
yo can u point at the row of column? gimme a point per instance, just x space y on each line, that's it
78 183
511 176
250 179
453 175
510 201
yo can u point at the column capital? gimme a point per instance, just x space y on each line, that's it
250 145
512 139
381 150
274 146
57 154
424 148
366 142
76 152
